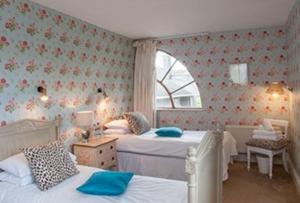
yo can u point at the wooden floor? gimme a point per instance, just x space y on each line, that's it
253 187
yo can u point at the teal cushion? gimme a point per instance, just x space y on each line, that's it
106 183
169 132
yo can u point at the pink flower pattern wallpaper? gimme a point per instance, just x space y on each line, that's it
207 58
71 58
293 42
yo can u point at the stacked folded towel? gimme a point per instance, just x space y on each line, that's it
267 135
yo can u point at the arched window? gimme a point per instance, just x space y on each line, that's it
176 88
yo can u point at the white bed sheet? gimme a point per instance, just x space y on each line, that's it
140 190
138 153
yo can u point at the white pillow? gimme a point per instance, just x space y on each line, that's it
73 157
117 124
69 141
116 131
267 125
9 178
261 127
18 165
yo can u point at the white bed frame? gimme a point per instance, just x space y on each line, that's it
203 164
28 132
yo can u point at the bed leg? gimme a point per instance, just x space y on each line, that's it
248 158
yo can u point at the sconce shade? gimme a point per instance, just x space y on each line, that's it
100 90
275 88
84 118
43 93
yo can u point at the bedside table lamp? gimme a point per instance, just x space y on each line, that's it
85 119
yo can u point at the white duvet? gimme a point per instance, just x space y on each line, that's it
140 190
150 144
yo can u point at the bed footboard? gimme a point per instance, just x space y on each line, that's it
204 170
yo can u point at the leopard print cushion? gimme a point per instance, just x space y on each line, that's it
50 164
138 122
268 144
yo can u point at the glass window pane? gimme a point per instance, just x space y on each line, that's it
163 62
162 97
188 97
177 77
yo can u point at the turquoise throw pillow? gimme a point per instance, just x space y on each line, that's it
106 183
169 132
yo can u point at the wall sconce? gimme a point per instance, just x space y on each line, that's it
43 93
100 90
276 89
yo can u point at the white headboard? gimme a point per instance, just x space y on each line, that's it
24 133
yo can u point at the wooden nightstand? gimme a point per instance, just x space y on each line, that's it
99 153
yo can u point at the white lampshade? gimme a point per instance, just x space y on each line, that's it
84 118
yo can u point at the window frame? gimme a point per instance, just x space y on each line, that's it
247 74
170 93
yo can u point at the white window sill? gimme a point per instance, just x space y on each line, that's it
180 109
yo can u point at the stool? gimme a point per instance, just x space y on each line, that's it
269 148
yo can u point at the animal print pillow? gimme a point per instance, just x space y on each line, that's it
138 122
50 164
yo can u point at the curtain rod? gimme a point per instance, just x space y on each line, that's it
181 36
171 37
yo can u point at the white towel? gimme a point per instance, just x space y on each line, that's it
266 132
267 137
267 125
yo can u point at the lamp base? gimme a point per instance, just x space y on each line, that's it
85 136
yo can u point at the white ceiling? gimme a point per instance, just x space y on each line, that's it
161 18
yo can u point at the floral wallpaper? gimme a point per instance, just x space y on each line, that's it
71 58
207 58
293 41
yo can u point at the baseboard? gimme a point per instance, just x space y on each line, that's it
295 176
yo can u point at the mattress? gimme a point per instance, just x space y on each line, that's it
139 153
140 189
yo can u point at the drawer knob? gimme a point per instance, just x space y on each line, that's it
102 163
111 147
113 158
100 152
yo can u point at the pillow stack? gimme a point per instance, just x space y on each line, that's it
267 132
120 126
18 171
134 122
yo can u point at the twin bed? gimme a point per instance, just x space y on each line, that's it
141 189
150 155
203 168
